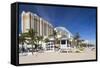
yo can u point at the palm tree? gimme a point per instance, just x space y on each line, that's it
31 37
76 39
55 37
38 39
41 38
58 42
22 40
81 44
46 40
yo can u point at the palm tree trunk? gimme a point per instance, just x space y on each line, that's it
32 49
77 44
22 48
54 44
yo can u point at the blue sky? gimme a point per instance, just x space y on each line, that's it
75 19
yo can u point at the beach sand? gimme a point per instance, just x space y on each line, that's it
57 57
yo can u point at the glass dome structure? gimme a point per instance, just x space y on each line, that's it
63 32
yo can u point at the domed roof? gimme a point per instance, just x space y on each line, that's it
64 30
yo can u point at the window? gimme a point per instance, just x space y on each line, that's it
63 41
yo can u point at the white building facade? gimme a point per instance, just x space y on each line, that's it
31 20
44 28
65 37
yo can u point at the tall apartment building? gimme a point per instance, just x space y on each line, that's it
31 20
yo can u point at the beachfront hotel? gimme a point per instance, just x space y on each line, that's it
41 26
44 28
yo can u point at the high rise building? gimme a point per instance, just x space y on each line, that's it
40 25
